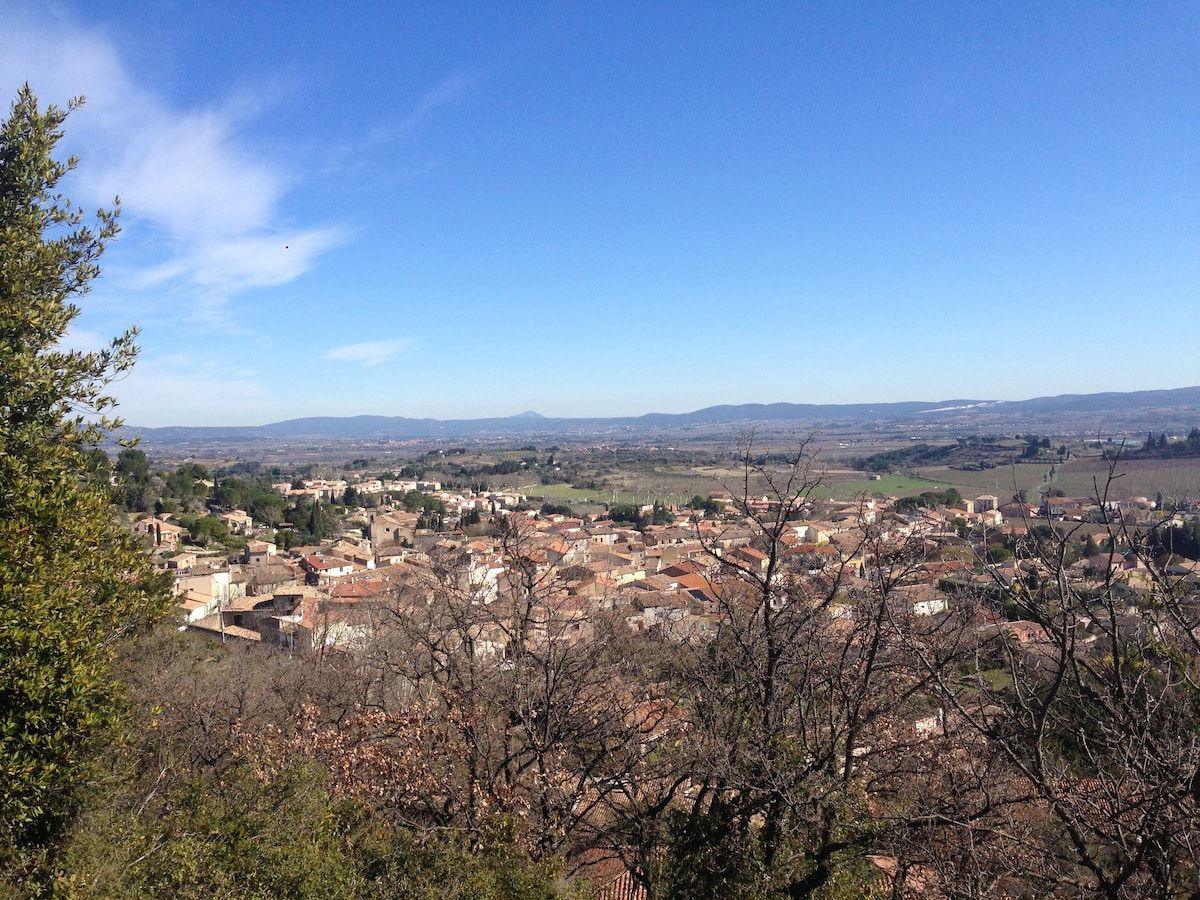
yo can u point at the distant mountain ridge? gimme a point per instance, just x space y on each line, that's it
367 427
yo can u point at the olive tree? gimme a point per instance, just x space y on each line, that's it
72 582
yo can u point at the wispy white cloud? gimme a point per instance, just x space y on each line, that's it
449 90
200 203
370 353
251 260
445 93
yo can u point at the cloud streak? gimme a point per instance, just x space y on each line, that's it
449 90
445 93
370 353
201 208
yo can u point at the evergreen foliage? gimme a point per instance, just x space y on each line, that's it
71 581
1162 446
930 500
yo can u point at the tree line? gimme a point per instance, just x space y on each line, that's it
1162 446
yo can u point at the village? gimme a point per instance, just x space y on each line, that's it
660 579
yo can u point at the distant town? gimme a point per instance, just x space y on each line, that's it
651 563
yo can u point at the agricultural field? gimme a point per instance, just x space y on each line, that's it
565 493
848 485
648 475
1002 481
640 488
1174 478
590 476
1079 477
671 485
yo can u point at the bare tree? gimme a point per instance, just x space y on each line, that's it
794 703
1078 729
496 695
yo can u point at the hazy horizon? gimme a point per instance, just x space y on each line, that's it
948 403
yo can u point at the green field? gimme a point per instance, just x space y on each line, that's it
1002 481
887 485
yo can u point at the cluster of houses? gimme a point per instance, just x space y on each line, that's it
315 597
456 503
659 579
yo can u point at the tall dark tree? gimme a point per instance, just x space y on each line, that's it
71 581
133 473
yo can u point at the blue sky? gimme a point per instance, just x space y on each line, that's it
460 210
